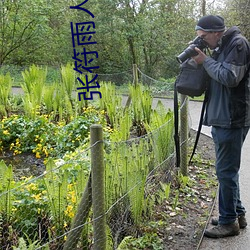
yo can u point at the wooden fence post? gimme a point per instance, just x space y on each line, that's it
135 74
80 218
135 81
98 194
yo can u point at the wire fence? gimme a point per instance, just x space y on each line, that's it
160 87
54 210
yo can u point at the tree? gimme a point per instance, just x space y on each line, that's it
20 22
237 12
35 31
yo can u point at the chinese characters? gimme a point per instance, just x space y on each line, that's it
82 35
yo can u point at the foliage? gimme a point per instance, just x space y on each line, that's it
42 136
161 126
34 81
68 79
51 200
6 184
113 109
5 89
141 106
34 32
147 33
43 206
147 241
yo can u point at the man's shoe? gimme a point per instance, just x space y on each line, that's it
221 231
241 219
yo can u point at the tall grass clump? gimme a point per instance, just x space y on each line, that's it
141 106
68 80
161 130
5 89
33 85
111 103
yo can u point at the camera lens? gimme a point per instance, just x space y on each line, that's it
187 53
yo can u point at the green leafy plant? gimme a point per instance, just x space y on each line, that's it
112 108
6 184
141 105
5 90
161 126
147 241
68 79
33 86
23 245
164 191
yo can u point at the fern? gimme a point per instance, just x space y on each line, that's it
56 184
5 90
33 86
6 184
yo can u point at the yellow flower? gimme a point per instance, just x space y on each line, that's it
6 132
69 211
14 209
73 199
37 197
38 155
31 187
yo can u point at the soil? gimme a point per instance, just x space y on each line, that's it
25 164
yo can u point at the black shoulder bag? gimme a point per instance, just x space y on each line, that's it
192 79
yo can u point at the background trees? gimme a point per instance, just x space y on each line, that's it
149 33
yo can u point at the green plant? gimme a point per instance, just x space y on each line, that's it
68 79
6 184
147 241
5 89
141 104
176 199
48 98
30 208
112 108
161 128
164 191
184 181
33 86
22 245
126 173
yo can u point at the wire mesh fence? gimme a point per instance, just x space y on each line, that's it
55 210
41 211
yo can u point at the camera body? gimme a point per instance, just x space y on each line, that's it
190 51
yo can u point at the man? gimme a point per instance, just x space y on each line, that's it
228 112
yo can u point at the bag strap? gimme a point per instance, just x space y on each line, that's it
176 126
199 127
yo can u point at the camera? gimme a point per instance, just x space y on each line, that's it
190 51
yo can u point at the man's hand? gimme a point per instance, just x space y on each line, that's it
200 58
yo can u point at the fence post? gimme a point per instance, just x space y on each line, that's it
80 218
98 195
135 77
135 74
184 135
